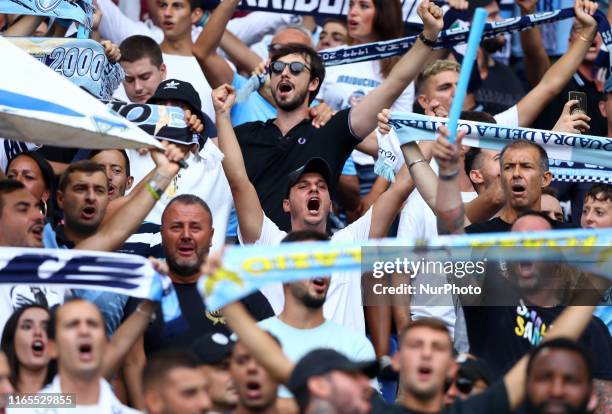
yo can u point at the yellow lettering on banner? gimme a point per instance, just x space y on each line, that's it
281 263
300 260
257 265
219 275
326 259
356 254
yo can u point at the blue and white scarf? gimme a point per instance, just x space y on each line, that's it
251 267
574 158
452 37
80 11
82 61
124 274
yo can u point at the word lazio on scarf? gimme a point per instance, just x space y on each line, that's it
251 267
124 274
452 37
157 120
82 61
80 11
586 149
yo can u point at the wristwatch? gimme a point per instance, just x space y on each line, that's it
426 41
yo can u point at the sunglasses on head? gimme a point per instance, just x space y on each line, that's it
277 67
463 384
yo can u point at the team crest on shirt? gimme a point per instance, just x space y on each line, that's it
215 317
301 140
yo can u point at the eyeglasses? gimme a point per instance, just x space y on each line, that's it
463 384
277 67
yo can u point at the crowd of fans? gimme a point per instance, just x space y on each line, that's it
293 162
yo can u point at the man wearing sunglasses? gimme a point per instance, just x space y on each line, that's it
274 148
469 377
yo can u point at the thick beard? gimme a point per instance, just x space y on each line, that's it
184 270
531 408
293 104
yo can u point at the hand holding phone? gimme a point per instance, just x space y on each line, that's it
582 102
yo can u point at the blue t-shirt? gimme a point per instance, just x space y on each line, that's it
298 342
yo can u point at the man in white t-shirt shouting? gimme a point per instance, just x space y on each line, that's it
308 202
78 340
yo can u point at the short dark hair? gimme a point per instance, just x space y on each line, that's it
544 165
428 322
93 153
52 325
7 187
188 199
551 191
599 192
335 20
138 47
537 214
317 69
471 156
562 344
162 362
305 235
83 166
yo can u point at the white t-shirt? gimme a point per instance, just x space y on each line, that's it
298 342
204 177
186 68
343 304
107 402
345 85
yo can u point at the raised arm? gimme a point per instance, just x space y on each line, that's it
126 220
214 67
449 206
240 54
386 207
25 26
248 208
560 73
570 324
536 59
363 116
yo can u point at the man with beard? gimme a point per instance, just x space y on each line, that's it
301 326
533 294
560 379
274 148
187 233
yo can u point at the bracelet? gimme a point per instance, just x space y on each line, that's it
415 162
154 193
448 177
581 37
151 316
426 41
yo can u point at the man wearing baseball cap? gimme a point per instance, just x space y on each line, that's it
308 203
214 350
326 378
204 177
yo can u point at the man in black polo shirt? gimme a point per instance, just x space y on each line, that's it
274 148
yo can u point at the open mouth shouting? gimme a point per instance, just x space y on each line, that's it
284 88
37 230
38 348
320 284
88 213
86 351
313 205
519 190
253 390
186 249
424 372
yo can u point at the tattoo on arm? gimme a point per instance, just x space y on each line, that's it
603 390
450 221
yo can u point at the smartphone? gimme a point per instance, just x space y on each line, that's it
581 106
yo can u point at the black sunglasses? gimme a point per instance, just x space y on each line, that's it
277 67
463 384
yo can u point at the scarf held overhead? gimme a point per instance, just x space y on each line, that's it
80 11
252 267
